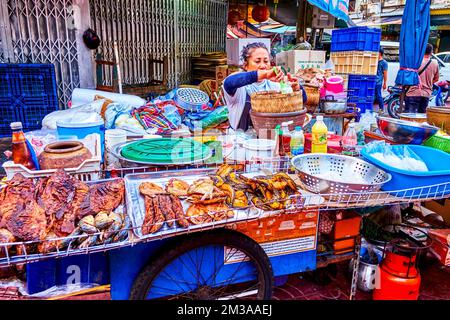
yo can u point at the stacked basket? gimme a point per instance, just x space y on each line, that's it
354 52
271 108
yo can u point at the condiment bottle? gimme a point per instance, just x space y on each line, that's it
278 151
319 138
286 137
21 153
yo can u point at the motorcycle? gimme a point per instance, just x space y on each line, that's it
439 96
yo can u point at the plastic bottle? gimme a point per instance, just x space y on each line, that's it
21 153
363 125
319 136
297 141
286 137
278 151
251 133
349 140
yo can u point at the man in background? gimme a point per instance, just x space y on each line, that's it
417 97
381 83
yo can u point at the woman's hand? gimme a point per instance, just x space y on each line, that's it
271 75
293 82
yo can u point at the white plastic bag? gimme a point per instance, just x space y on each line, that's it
86 113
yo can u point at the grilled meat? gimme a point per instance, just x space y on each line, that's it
177 187
5 237
179 212
105 196
150 189
20 212
159 216
58 195
27 221
149 216
165 205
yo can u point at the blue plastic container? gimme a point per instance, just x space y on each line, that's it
361 87
356 39
438 163
363 105
86 268
81 130
28 92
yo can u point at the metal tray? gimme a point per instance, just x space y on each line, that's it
136 208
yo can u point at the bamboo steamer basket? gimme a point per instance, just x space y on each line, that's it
439 117
276 102
265 123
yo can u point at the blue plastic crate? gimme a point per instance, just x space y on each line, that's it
363 104
86 268
7 115
356 39
30 89
417 184
361 87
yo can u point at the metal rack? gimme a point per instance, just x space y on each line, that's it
303 202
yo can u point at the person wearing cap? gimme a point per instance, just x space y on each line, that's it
381 82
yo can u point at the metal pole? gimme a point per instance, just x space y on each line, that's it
119 75
301 20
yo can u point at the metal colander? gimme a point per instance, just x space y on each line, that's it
338 176
191 99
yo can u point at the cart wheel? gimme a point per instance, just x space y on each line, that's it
217 264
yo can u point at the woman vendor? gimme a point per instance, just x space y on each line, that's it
258 76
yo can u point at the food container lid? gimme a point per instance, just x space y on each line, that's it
62 123
259 144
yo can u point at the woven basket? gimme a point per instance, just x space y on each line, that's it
276 102
438 142
312 95
439 117
265 123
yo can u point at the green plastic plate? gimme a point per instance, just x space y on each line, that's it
166 151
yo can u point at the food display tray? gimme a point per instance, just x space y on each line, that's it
136 207
27 257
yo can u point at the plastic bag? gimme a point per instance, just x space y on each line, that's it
86 113
213 119
64 290
400 157
114 110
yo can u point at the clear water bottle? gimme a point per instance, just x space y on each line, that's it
297 142
350 141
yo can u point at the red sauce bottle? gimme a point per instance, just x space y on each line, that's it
21 154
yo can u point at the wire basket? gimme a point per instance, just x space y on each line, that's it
439 142
191 99
337 176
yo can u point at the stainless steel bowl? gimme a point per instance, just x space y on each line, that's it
337 177
405 132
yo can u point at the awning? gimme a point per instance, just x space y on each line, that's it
379 21
337 8
285 29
